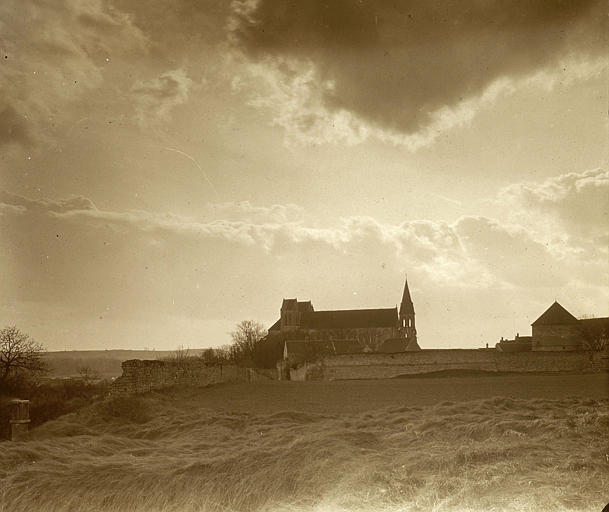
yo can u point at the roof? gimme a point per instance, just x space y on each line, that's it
595 323
406 307
276 326
555 315
349 318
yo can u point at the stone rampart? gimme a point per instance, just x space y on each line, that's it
142 376
387 366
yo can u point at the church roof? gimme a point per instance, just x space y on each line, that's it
349 318
555 315
276 326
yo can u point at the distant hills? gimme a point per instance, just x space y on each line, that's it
107 363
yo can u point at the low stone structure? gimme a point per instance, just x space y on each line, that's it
387 366
19 418
142 376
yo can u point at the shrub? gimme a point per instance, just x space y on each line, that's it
53 398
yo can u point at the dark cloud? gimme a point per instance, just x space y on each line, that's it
174 27
394 64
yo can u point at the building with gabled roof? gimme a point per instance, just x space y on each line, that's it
557 330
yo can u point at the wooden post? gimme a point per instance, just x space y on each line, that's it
19 414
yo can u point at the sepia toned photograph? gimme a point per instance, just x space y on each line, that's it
304 256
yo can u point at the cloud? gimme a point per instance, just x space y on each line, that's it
13 127
576 203
277 213
46 206
43 71
403 71
510 255
156 98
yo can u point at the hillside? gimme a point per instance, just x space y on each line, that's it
409 445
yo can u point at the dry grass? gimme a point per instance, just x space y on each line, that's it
252 453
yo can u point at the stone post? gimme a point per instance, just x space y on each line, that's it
19 418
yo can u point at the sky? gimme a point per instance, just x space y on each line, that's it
170 168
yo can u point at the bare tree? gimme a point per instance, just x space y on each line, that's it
180 355
246 337
217 355
596 336
19 355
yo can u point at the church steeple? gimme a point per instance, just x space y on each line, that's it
406 307
407 314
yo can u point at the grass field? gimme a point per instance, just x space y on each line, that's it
521 443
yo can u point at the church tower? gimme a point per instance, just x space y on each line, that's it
407 315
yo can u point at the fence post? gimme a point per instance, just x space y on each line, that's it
19 414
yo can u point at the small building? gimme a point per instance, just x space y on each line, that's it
557 329
518 344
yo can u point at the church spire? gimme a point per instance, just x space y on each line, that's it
406 307
407 324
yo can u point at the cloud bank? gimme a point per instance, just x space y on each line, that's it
473 251
480 275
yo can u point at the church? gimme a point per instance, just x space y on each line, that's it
308 334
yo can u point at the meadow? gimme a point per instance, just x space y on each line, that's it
517 443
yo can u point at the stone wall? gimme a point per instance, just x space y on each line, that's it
386 366
142 376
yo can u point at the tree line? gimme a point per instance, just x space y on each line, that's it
251 346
